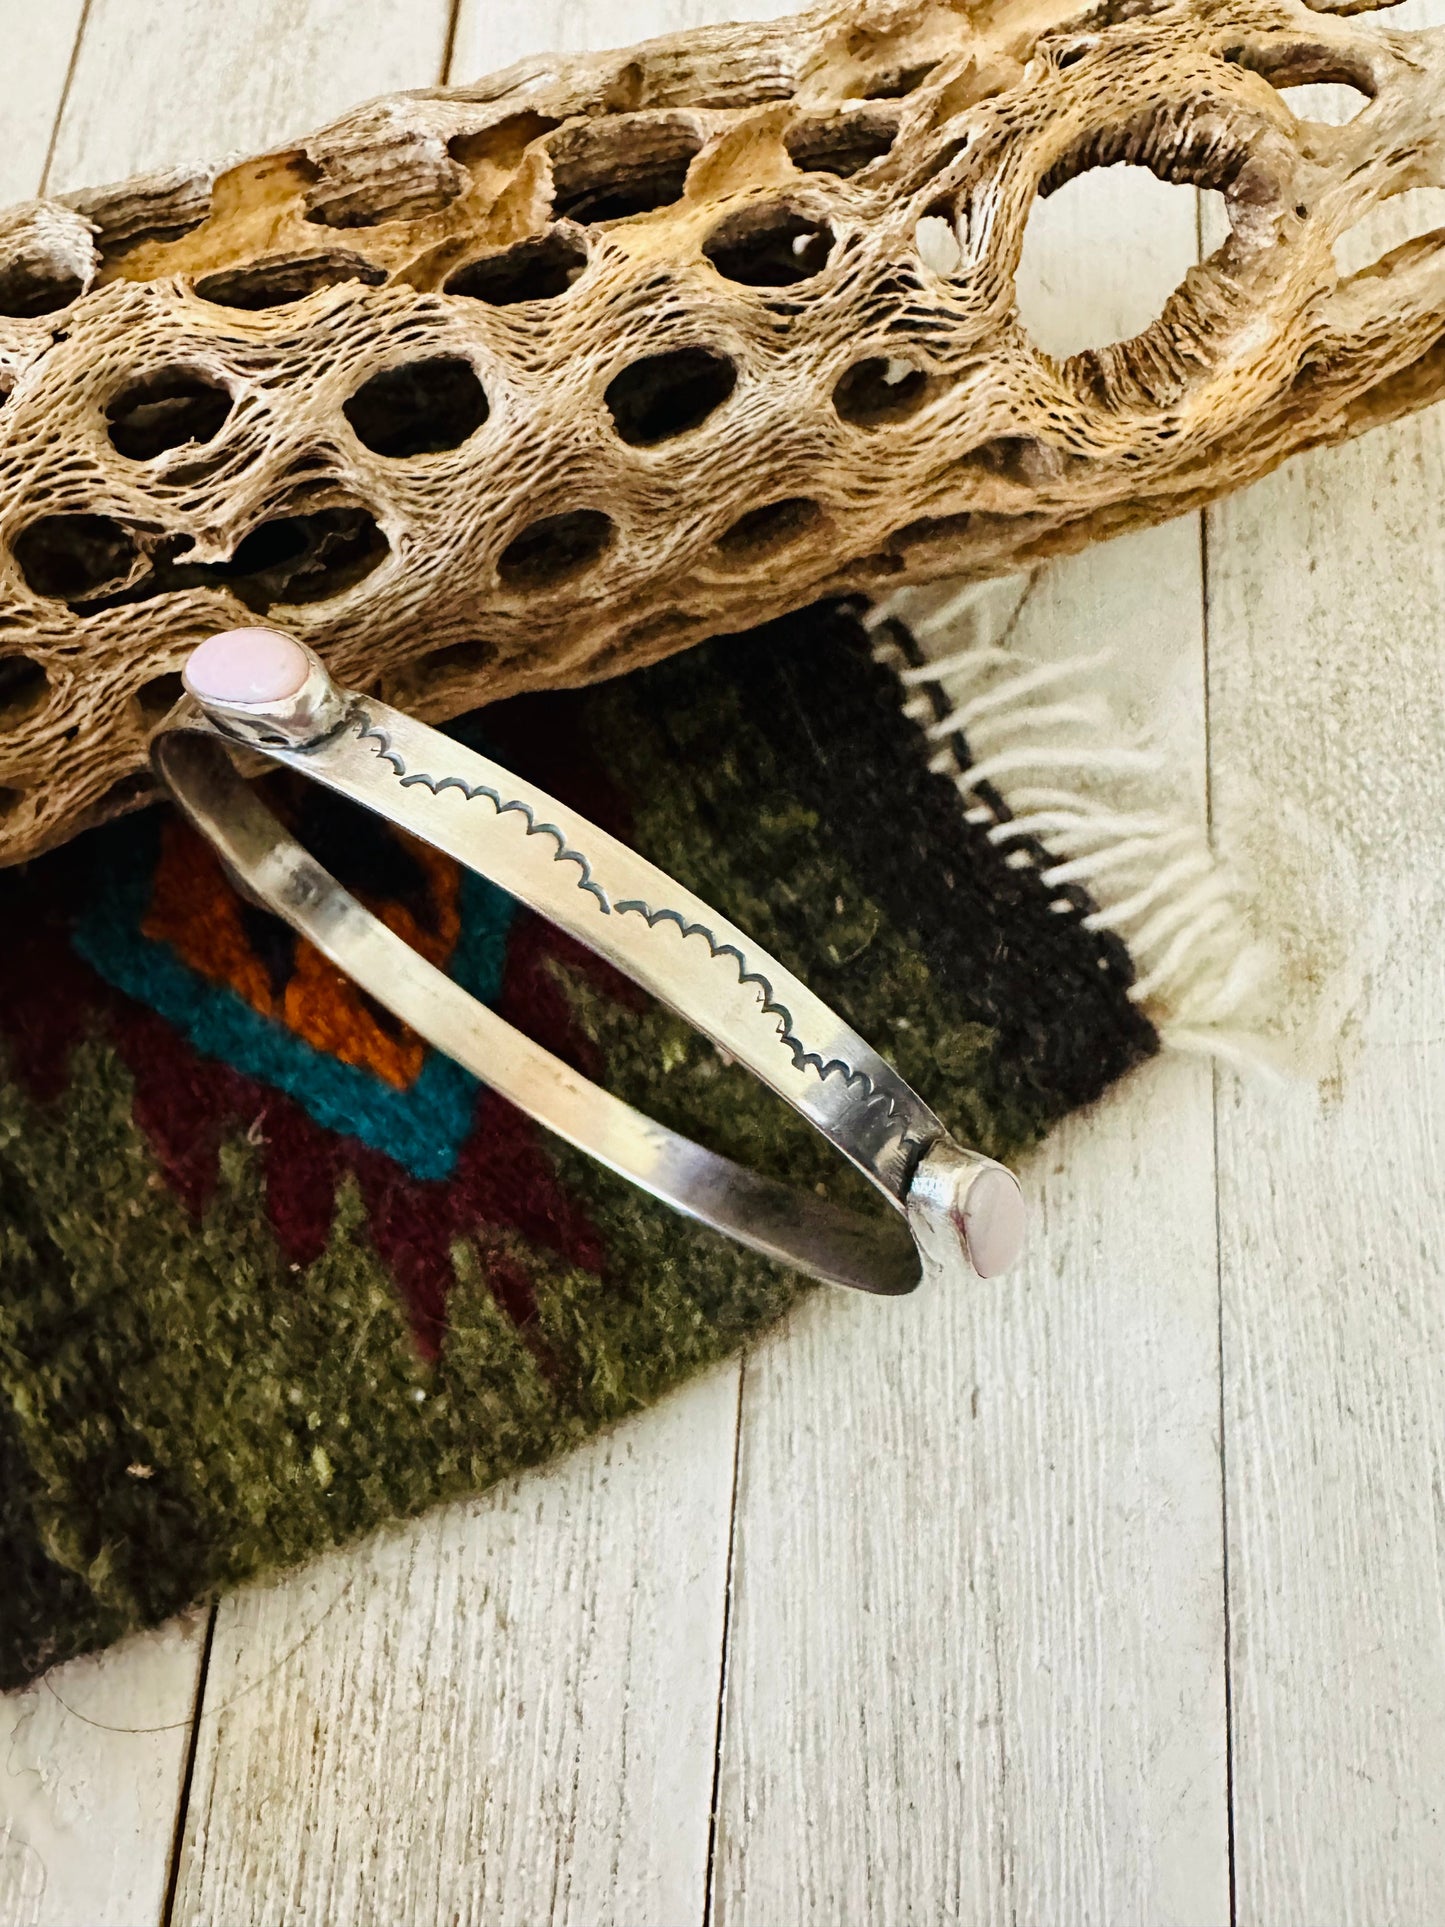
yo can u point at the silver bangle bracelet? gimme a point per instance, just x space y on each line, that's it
263 691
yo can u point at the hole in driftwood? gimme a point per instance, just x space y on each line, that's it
24 688
459 659
275 282
296 558
555 549
1023 459
74 556
1322 83
931 530
419 408
535 270
122 795
769 247
1102 254
350 205
27 289
880 389
10 800
157 698
1331 106
765 531
117 244
271 546
843 144
165 410
896 83
1416 215
613 168
666 395
292 558
503 143
936 238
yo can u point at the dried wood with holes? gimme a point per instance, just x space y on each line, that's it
529 382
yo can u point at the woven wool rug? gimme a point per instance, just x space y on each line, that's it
272 1272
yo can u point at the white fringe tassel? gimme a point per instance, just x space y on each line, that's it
1104 812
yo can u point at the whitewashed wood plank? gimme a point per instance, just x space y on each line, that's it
39 42
491 34
506 1712
161 82
96 1752
554 1725
977 1652
1327 672
1327 690
93 1760
976 1670
605 1802
93 1754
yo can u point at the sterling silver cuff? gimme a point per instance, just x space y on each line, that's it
266 692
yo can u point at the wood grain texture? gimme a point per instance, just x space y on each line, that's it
92 1757
93 1760
491 34
1327 686
39 43
976 1666
96 1753
510 1711
506 1712
162 82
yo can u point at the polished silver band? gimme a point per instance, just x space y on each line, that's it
949 1203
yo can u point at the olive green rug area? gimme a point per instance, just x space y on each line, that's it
272 1272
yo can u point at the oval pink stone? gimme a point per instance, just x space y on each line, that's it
246 666
993 1222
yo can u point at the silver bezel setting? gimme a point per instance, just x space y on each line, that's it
314 713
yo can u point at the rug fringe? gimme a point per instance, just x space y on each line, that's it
1034 751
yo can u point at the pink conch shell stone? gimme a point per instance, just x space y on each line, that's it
993 1222
246 666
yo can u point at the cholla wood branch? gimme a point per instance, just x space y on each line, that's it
529 382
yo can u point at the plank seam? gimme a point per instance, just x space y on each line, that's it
64 101
1226 1630
183 1805
710 1873
449 44
1227 1627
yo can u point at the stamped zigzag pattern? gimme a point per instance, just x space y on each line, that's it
503 805
803 1058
